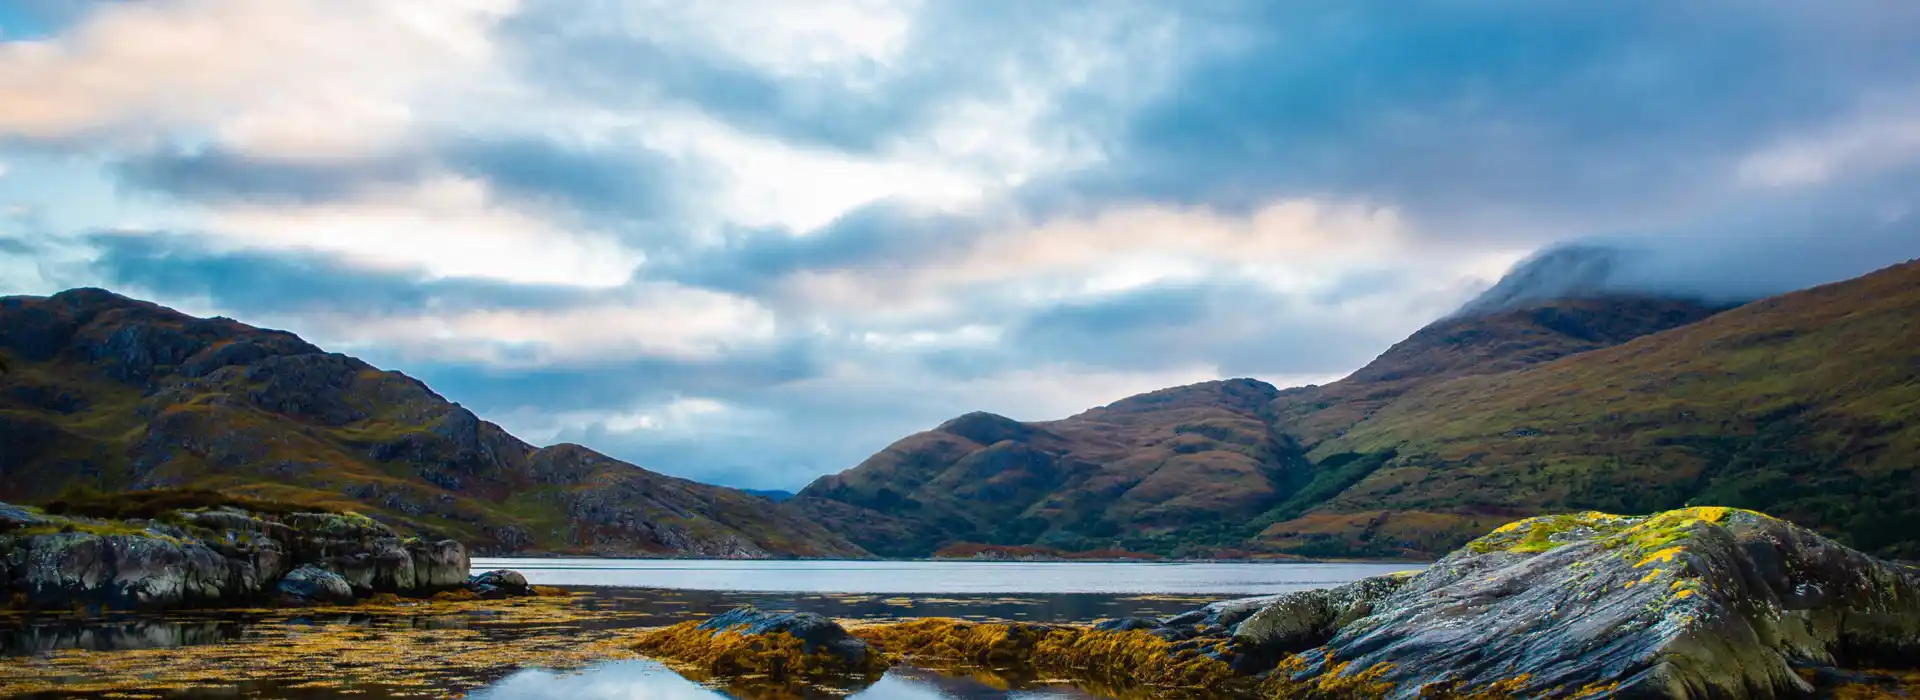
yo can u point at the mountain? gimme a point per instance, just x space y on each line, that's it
1148 465
110 393
1805 405
1801 405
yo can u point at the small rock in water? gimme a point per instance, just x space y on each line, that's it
500 583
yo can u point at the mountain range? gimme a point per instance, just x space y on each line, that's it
1551 392
114 394
1805 405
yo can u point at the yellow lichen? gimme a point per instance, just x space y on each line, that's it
1592 690
1651 575
391 651
727 653
1664 555
1133 658
1288 681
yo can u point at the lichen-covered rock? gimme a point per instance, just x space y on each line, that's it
1305 619
1226 613
748 641
311 584
1694 603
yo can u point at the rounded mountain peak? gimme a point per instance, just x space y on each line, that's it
986 428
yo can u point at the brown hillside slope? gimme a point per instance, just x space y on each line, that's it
1805 405
1490 343
1192 470
1152 463
117 394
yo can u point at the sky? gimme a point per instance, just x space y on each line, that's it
754 241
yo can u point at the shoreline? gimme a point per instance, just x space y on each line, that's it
970 560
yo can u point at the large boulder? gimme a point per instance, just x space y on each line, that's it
310 585
1694 603
1303 620
438 566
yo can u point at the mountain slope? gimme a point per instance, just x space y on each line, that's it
1805 405
1150 468
112 393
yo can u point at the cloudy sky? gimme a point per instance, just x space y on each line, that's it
753 241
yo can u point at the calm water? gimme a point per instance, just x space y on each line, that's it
621 595
941 577
629 680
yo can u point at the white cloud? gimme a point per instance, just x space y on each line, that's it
658 321
1883 133
147 69
448 226
1295 244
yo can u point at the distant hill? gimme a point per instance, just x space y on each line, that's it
775 495
1802 405
117 394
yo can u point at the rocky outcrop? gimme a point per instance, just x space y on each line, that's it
748 641
1694 603
1699 603
213 557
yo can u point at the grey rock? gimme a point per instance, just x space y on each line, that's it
438 566
1306 619
312 584
500 583
121 571
1702 603
214 557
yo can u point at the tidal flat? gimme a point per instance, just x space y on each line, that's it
503 648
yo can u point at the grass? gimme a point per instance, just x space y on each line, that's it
146 505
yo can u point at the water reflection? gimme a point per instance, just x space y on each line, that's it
633 680
945 577
612 608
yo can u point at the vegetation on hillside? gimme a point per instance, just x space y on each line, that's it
1805 405
121 395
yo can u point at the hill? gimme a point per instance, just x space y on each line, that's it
1805 405
1802 405
115 394
1143 467
1188 471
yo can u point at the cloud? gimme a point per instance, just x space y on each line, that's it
669 230
297 76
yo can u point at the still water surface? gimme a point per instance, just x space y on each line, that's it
941 577
618 596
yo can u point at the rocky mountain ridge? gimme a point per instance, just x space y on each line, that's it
1624 402
118 394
